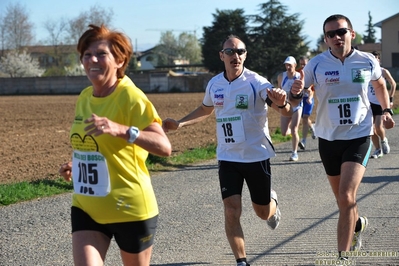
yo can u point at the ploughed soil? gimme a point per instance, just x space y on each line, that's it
34 131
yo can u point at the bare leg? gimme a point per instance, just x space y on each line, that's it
305 126
89 247
234 233
137 259
379 131
285 125
265 211
345 189
296 119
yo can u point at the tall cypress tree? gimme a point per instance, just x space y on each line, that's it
226 22
274 36
369 37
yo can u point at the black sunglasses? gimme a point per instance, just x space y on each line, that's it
340 32
231 51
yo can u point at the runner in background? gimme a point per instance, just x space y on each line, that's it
308 104
379 131
290 124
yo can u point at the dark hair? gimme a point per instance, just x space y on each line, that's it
231 36
303 58
376 54
120 45
335 18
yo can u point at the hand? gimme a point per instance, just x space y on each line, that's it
100 125
388 121
66 171
298 85
277 96
170 124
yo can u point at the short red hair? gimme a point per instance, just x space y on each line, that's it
120 45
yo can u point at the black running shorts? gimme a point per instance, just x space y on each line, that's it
257 175
334 153
376 109
131 237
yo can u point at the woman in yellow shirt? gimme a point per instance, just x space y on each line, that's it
114 129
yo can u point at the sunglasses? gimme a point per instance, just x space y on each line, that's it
231 51
340 32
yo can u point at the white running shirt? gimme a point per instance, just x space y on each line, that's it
286 82
371 93
343 110
241 117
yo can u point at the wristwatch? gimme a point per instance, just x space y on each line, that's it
133 133
387 110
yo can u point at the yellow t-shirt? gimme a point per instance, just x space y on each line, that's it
111 180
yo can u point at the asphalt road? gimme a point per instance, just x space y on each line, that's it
191 229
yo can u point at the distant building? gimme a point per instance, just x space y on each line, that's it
390 41
49 56
369 47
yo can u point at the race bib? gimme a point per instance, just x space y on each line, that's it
230 129
90 174
344 111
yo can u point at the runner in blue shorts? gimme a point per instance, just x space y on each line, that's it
308 104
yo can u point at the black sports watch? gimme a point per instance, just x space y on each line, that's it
387 110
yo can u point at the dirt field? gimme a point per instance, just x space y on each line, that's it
34 131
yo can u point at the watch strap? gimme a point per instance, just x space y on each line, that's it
387 110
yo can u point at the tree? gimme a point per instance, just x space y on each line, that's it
274 37
189 48
226 22
321 45
63 61
185 47
96 15
132 66
74 70
167 50
2 36
358 40
20 64
16 29
57 30
369 37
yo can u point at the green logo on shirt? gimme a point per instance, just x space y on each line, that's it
358 75
242 101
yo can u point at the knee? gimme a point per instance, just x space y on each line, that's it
264 211
346 201
232 213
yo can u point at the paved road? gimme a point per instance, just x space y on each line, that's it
191 230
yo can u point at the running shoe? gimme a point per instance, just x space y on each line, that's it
385 146
242 263
342 261
357 237
312 131
274 221
294 156
301 145
376 154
